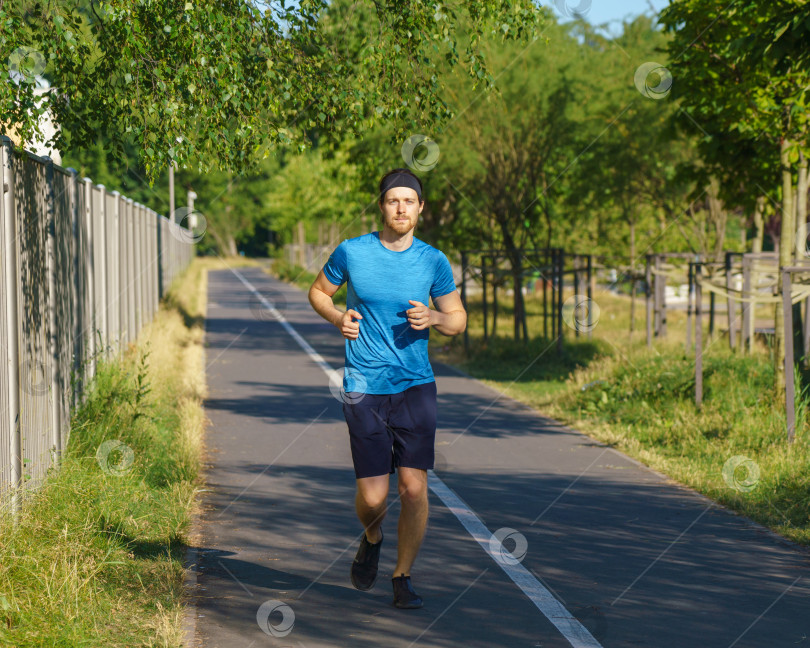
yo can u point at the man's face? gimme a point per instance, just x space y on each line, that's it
401 209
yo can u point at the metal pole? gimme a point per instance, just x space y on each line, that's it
50 260
790 387
10 274
102 205
114 265
89 268
159 252
698 336
78 309
136 268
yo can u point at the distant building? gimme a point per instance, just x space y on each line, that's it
47 126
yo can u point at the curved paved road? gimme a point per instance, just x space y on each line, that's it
607 552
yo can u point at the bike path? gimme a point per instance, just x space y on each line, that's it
630 557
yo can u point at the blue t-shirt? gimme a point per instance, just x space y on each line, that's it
388 356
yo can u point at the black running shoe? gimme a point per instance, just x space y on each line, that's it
404 596
364 567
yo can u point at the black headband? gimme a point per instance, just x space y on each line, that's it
401 180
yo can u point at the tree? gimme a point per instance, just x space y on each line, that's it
220 83
743 81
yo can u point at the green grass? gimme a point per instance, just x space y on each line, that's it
641 402
96 556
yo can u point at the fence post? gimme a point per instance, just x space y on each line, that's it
159 252
731 313
689 295
50 269
10 275
790 387
102 240
698 335
648 299
575 263
89 268
115 271
484 292
590 279
78 317
561 275
747 306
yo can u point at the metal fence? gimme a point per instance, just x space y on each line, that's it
82 271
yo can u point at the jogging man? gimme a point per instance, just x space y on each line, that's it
388 383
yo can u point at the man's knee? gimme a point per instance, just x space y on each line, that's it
373 491
412 484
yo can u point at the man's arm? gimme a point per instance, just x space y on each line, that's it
320 297
449 319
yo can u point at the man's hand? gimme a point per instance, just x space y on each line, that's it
419 316
347 326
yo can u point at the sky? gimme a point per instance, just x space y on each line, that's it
601 11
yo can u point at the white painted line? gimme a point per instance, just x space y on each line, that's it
574 632
570 627
317 358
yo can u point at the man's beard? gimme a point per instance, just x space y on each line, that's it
401 227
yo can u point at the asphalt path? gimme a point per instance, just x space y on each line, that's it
538 536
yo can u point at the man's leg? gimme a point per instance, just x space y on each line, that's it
370 503
412 517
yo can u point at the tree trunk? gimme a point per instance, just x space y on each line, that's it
231 243
785 259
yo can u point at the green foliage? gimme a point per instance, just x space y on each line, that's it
739 74
213 84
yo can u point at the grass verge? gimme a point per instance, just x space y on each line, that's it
96 557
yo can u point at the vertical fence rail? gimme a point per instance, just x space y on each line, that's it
82 271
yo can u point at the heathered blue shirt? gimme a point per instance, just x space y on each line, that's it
388 356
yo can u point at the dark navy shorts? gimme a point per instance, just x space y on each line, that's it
391 430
